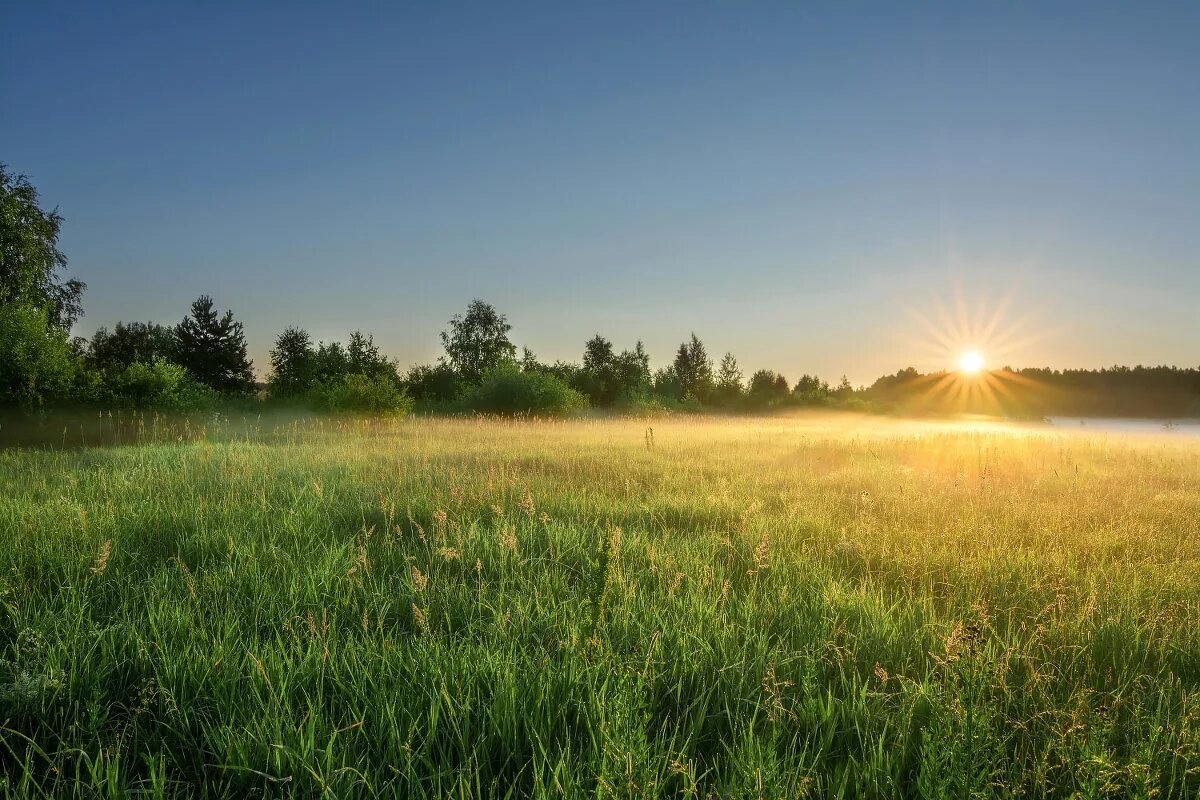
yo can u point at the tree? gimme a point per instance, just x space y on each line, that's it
529 361
666 383
729 379
768 386
36 362
29 256
433 384
811 390
364 358
478 341
129 343
330 362
212 348
293 363
633 371
599 379
810 383
598 354
693 369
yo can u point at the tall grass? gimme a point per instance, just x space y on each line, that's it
786 607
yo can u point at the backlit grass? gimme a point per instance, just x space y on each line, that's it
789 607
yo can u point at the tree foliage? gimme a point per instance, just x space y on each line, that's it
37 366
129 343
159 385
148 365
768 387
478 341
293 364
30 261
729 381
212 347
693 370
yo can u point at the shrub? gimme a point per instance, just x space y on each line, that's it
642 404
159 385
362 394
508 390
433 385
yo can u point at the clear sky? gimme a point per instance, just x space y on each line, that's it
803 185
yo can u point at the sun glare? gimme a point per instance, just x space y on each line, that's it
970 362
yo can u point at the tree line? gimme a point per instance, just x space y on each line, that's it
202 361
1157 392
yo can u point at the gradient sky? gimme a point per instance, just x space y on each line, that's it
806 187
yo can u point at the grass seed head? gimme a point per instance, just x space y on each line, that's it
101 562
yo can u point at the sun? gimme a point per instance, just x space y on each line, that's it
970 362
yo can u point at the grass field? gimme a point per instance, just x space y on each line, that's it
779 607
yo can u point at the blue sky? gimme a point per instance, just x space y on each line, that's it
800 184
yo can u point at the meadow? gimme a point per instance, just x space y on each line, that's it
796 606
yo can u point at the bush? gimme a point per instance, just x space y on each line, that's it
159 385
642 404
433 385
508 390
362 394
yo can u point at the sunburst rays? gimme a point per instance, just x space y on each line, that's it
952 343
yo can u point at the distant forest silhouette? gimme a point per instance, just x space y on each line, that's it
201 362
1160 392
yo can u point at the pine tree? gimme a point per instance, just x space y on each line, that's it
729 379
212 348
693 368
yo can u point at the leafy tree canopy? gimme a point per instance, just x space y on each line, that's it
36 363
478 341
293 363
30 260
129 343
